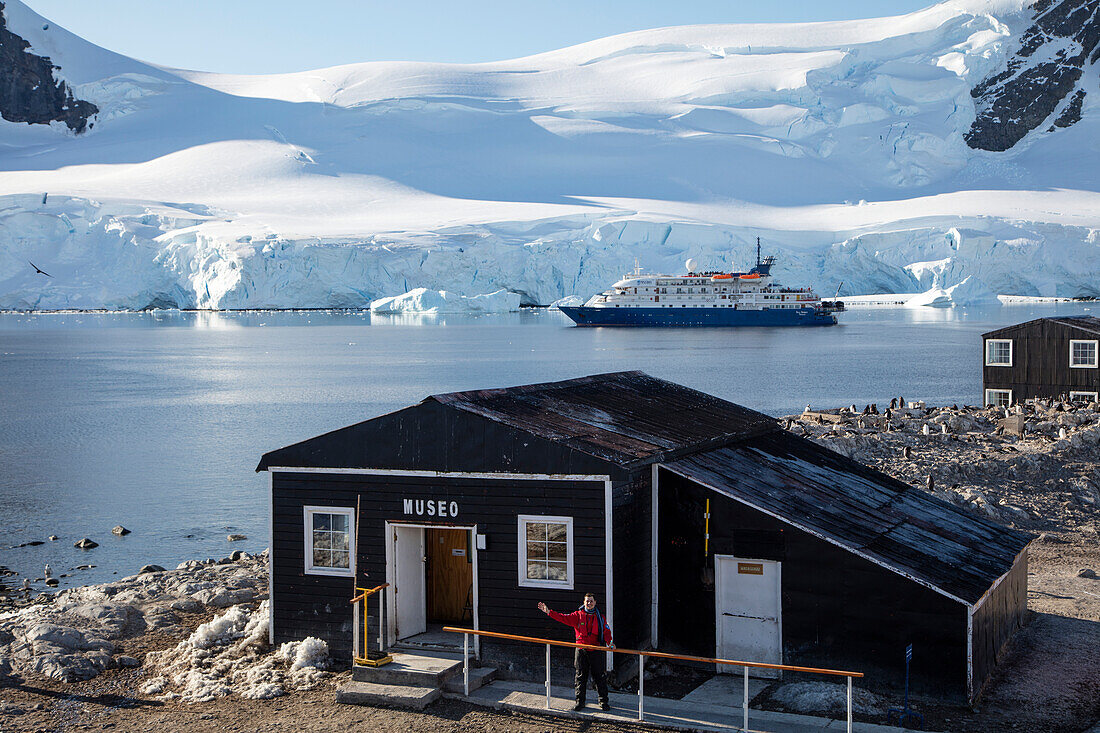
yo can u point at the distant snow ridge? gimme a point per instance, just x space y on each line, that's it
844 146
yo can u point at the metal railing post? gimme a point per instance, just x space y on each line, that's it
381 620
641 687
745 703
466 663
849 704
547 676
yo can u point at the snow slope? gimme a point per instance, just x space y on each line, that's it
840 144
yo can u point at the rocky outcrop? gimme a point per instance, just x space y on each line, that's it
1042 76
29 92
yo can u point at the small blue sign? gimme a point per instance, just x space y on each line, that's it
909 653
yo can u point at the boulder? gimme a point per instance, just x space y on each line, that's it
127 662
236 537
120 531
85 544
1087 573
150 569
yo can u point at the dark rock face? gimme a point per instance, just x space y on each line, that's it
28 90
1040 76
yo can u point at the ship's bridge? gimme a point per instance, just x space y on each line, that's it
635 282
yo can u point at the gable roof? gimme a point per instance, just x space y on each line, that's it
861 510
628 418
1087 324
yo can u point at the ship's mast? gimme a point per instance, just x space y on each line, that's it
758 251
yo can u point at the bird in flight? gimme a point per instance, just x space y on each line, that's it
40 272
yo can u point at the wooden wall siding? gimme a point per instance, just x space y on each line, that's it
321 604
1040 362
839 610
632 562
434 437
996 619
306 605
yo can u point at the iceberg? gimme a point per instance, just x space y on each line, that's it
423 300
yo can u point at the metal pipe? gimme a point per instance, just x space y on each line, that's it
382 621
547 676
466 663
641 687
849 705
745 703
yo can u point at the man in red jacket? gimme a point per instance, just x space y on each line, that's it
591 629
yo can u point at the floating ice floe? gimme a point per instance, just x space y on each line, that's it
423 300
569 300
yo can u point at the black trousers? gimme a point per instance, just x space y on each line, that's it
587 661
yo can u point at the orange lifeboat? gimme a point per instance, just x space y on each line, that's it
751 276
723 276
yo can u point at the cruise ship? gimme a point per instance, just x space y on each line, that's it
705 299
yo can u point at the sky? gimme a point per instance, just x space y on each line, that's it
276 36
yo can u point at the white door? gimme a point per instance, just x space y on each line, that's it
747 610
409 588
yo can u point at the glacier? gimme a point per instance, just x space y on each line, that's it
841 145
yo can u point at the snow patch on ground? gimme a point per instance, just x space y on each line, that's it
231 655
76 636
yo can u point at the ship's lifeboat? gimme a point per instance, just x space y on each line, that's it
751 276
723 276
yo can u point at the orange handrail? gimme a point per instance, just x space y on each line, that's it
661 655
367 592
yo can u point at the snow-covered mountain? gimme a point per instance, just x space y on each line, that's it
895 155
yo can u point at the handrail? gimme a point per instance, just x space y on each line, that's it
641 666
367 592
662 655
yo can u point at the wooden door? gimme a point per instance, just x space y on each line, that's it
450 575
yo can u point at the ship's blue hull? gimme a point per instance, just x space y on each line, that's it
585 316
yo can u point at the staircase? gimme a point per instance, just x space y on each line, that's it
412 680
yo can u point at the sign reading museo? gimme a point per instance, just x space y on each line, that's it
430 508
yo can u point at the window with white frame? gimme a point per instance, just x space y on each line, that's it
545 551
998 352
1082 354
329 543
998 398
1082 396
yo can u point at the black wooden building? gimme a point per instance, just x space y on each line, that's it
702 526
1047 357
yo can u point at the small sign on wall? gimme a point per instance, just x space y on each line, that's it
750 568
458 552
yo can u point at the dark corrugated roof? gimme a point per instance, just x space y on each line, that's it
1090 324
627 418
865 511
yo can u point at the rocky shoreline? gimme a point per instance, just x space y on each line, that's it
77 633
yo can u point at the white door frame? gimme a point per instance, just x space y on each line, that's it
718 612
391 577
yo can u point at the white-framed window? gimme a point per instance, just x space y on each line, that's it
1082 396
1082 354
998 352
998 398
545 551
329 541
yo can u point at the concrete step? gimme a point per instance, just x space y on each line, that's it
399 696
479 677
424 669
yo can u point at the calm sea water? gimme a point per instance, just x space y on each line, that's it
156 421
